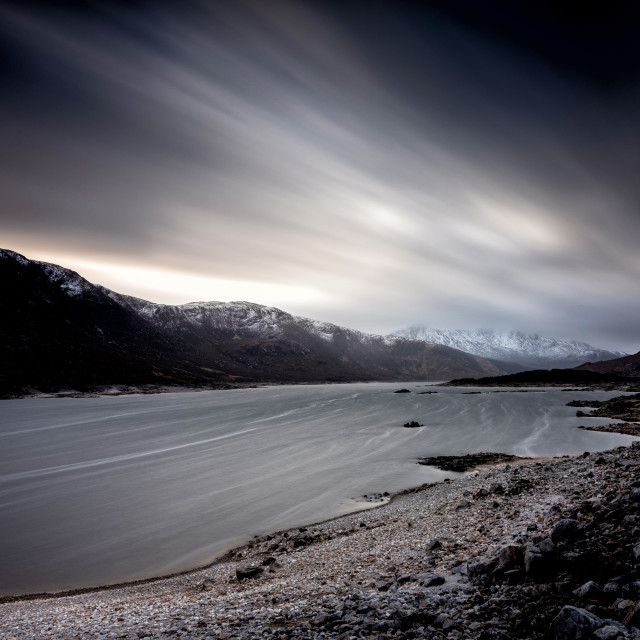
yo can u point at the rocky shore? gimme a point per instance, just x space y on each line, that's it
619 408
531 549
467 461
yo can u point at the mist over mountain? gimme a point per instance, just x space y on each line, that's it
61 331
530 350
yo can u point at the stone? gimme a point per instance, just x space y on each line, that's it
566 530
383 586
533 561
590 591
631 591
608 632
432 580
246 571
206 585
461 569
509 557
632 618
481 567
546 546
573 623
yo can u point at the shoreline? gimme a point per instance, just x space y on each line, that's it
525 546
224 557
115 390
454 463
232 551
428 563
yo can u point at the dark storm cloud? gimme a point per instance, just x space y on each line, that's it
457 164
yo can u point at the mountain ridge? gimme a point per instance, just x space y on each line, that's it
60 331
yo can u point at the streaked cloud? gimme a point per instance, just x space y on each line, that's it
371 166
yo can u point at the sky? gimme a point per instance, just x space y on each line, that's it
373 164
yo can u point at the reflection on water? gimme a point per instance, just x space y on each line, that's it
102 490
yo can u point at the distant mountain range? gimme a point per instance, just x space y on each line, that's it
529 350
58 331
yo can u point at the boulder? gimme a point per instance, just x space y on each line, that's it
590 591
206 585
481 567
631 591
432 580
566 530
608 632
573 623
533 561
546 546
246 571
509 557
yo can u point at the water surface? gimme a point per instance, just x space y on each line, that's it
96 491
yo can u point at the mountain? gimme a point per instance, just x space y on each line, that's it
60 331
627 366
529 350
620 373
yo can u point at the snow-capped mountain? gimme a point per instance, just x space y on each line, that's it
243 318
69 281
528 349
59 330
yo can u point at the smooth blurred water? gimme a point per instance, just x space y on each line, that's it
97 491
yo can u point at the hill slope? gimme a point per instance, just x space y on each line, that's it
628 366
619 373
